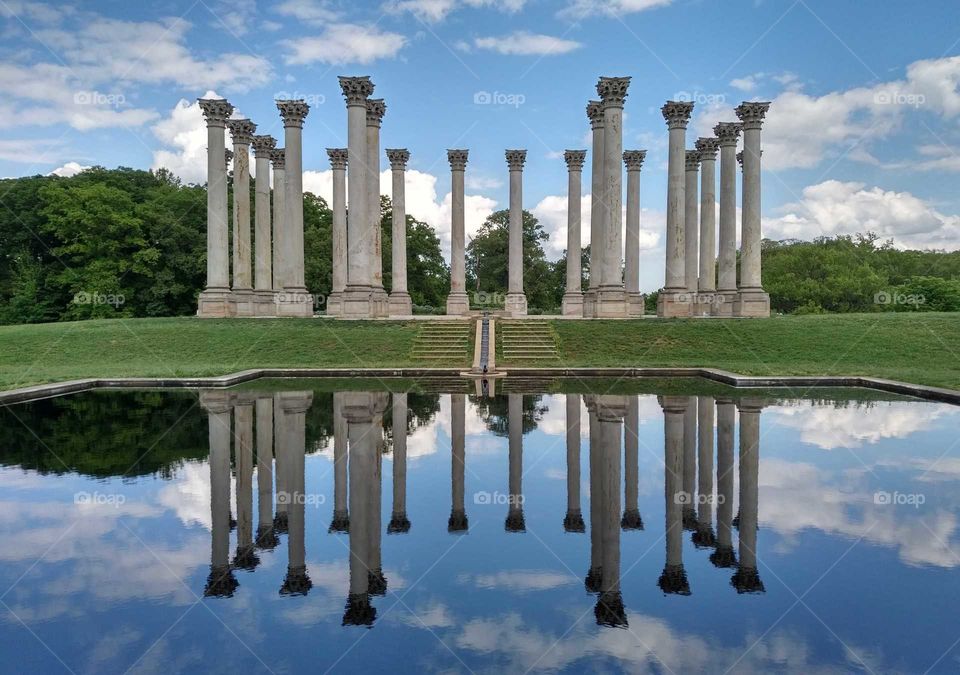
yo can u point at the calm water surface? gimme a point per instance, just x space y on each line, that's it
286 527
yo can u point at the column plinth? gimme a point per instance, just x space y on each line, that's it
400 302
516 301
674 301
295 300
458 302
573 295
263 146
635 302
707 282
214 301
752 300
338 165
241 133
376 109
595 115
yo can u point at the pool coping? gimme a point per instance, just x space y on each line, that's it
42 391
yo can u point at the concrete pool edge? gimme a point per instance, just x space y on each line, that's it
42 391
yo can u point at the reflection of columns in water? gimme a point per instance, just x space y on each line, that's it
293 446
378 583
631 456
245 558
690 464
266 537
609 414
341 516
573 521
458 512
592 580
674 577
280 470
515 521
360 412
398 520
724 556
220 582
704 537
747 579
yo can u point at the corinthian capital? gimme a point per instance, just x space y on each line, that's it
575 159
613 90
693 160
263 146
634 159
293 112
241 131
457 159
752 114
376 109
595 113
677 113
216 111
516 159
278 157
707 147
398 158
338 158
728 132
356 90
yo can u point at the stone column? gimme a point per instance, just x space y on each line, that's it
723 555
752 300
690 465
515 521
341 514
597 214
281 469
516 302
707 286
673 579
611 297
691 225
245 557
263 146
266 537
338 164
634 161
215 300
220 582
631 458
704 536
727 133
457 301
594 574
573 521
458 511
376 109
378 582
747 578
673 299
241 133
400 302
295 300
399 522
357 302
293 407
358 409
609 610
278 159
573 295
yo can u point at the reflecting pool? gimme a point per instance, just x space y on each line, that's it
659 526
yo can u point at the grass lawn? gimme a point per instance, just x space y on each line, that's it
920 348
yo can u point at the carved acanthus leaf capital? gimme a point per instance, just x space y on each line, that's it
278 157
595 113
634 159
707 147
338 158
575 159
693 160
677 113
216 111
293 112
241 131
457 159
613 90
728 132
263 146
398 158
376 109
356 90
516 159
752 113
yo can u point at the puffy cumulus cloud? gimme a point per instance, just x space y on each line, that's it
69 169
835 207
524 43
185 135
580 9
344 43
433 11
519 581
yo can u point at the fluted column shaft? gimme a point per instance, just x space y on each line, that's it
516 301
597 212
293 409
375 112
457 300
400 303
573 295
676 196
691 221
220 434
338 165
749 474
244 414
612 241
278 157
673 579
631 460
341 515
634 161
264 412
241 132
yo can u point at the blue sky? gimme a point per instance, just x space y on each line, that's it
863 132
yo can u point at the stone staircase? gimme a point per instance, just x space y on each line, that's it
527 342
444 342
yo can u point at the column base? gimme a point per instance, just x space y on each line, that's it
358 303
264 304
381 302
674 303
334 304
611 303
636 304
215 303
704 302
589 300
400 304
458 304
723 302
572 304
245 303
752 303
294 302
515 304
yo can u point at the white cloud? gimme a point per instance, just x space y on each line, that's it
434 11
237 16
748 83
315 12
580 9
30 151
834 207
344 43
184 137
34 12
523 43
69 169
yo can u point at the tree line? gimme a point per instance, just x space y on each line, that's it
130 243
